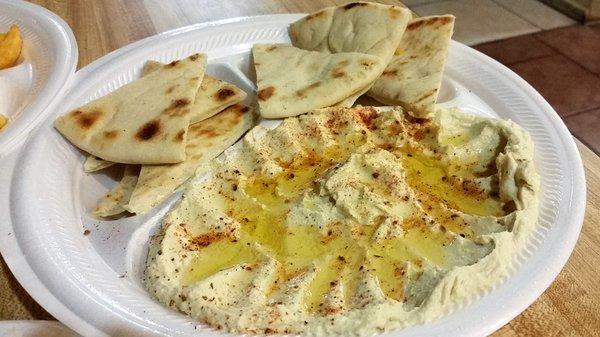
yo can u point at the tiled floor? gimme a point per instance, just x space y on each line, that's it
564 66
479 21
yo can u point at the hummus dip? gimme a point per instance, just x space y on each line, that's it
349 222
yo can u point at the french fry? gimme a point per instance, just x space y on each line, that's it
10 47
3 121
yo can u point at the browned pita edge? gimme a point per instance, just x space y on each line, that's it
416 111
112 204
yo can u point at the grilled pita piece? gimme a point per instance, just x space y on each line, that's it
143 122
362 27
212 97
93 164
413 77
292 81
112 203
206 140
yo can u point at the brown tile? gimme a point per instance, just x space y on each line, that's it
586 127
516 49
580 43
567 86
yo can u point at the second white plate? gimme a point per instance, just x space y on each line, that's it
39 79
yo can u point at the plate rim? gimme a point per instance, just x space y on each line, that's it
578 174
59 78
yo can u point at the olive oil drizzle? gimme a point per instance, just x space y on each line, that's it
340 253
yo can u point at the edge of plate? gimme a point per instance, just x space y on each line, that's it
59 79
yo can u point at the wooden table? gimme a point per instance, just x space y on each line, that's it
571 306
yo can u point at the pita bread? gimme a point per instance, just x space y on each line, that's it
143 122
206 140
292 81
413 77
112 203
362 27
212 97
93 164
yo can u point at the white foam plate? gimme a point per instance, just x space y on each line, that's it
93 283
39 79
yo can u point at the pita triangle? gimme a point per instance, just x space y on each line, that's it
414 76
376 30
363 27
292 81
143 122
213 96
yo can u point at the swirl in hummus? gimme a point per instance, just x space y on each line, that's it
349 221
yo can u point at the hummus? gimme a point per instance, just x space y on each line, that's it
350 222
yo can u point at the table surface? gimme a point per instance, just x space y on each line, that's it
568 307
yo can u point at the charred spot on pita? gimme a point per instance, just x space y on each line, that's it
224 93
272 48
354 4
194 57
337 73
179 136
173 64
266 93
170 89
239 109
390 72
177 107
86 120
445 19
366 63
148 131
415 24
426 95
179 103
110 134
302 92
207 133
